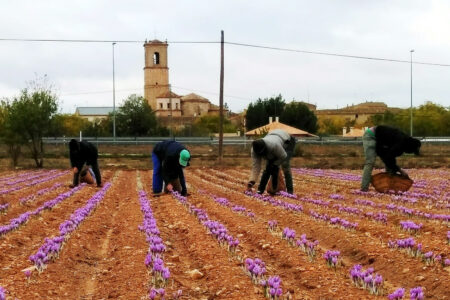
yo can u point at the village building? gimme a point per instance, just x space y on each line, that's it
359 113
94 113
168 106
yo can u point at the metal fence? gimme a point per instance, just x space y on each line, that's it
226 140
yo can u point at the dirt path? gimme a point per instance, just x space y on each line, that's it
191 248
17 246
362 248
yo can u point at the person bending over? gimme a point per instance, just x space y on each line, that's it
388 143
277 148
169 158
82 153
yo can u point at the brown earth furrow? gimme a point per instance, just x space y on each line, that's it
15 208
431 228
191 248
17 246
355 247
93 254
305 280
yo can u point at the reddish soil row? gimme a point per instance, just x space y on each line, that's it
364 247
104 257
191 248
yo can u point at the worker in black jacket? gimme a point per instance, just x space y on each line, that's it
169 158
83 153
388 143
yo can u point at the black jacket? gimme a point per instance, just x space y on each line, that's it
391 142
168 153
84 153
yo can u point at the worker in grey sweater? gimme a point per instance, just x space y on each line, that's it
277 148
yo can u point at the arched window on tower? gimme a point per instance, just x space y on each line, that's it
156 58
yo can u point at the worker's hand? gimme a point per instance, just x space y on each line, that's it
75 170
250 185
100 185
169 187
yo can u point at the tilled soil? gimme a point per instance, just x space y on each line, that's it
104 257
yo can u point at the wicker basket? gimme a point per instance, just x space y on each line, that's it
85 176
385 182
281 186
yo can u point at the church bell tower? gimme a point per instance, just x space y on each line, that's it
156 71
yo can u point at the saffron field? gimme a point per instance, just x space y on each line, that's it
326 241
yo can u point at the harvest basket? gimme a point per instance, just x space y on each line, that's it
85 176
281 186
385 182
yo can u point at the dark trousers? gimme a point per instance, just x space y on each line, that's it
270 170
157 183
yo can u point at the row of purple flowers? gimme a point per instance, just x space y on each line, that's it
34 182
23 218
43 191
154 259
52 246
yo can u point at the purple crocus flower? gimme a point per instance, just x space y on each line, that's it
416 293
397 295
2 293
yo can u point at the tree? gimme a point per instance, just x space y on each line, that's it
31 116
298 115
12 140
429 119
258 113
331 126
68 125
98 127
135 117
211 124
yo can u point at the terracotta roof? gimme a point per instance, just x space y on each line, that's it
194 97
155 41
277 125
168 95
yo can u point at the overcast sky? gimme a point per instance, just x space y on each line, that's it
82 72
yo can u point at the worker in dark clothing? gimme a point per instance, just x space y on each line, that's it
388 143
169 158
277 148
82 153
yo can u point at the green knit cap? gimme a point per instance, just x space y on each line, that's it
185 156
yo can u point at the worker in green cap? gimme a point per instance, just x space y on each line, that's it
169 158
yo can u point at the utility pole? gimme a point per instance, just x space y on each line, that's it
114 96
411 108
171 111
221 100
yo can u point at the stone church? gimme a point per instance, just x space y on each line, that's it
168 106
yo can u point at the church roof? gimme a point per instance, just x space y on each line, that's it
194 98
168 95
277 125
155 41
94 111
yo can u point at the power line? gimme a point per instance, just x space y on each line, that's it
230 43
101 41
336 54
